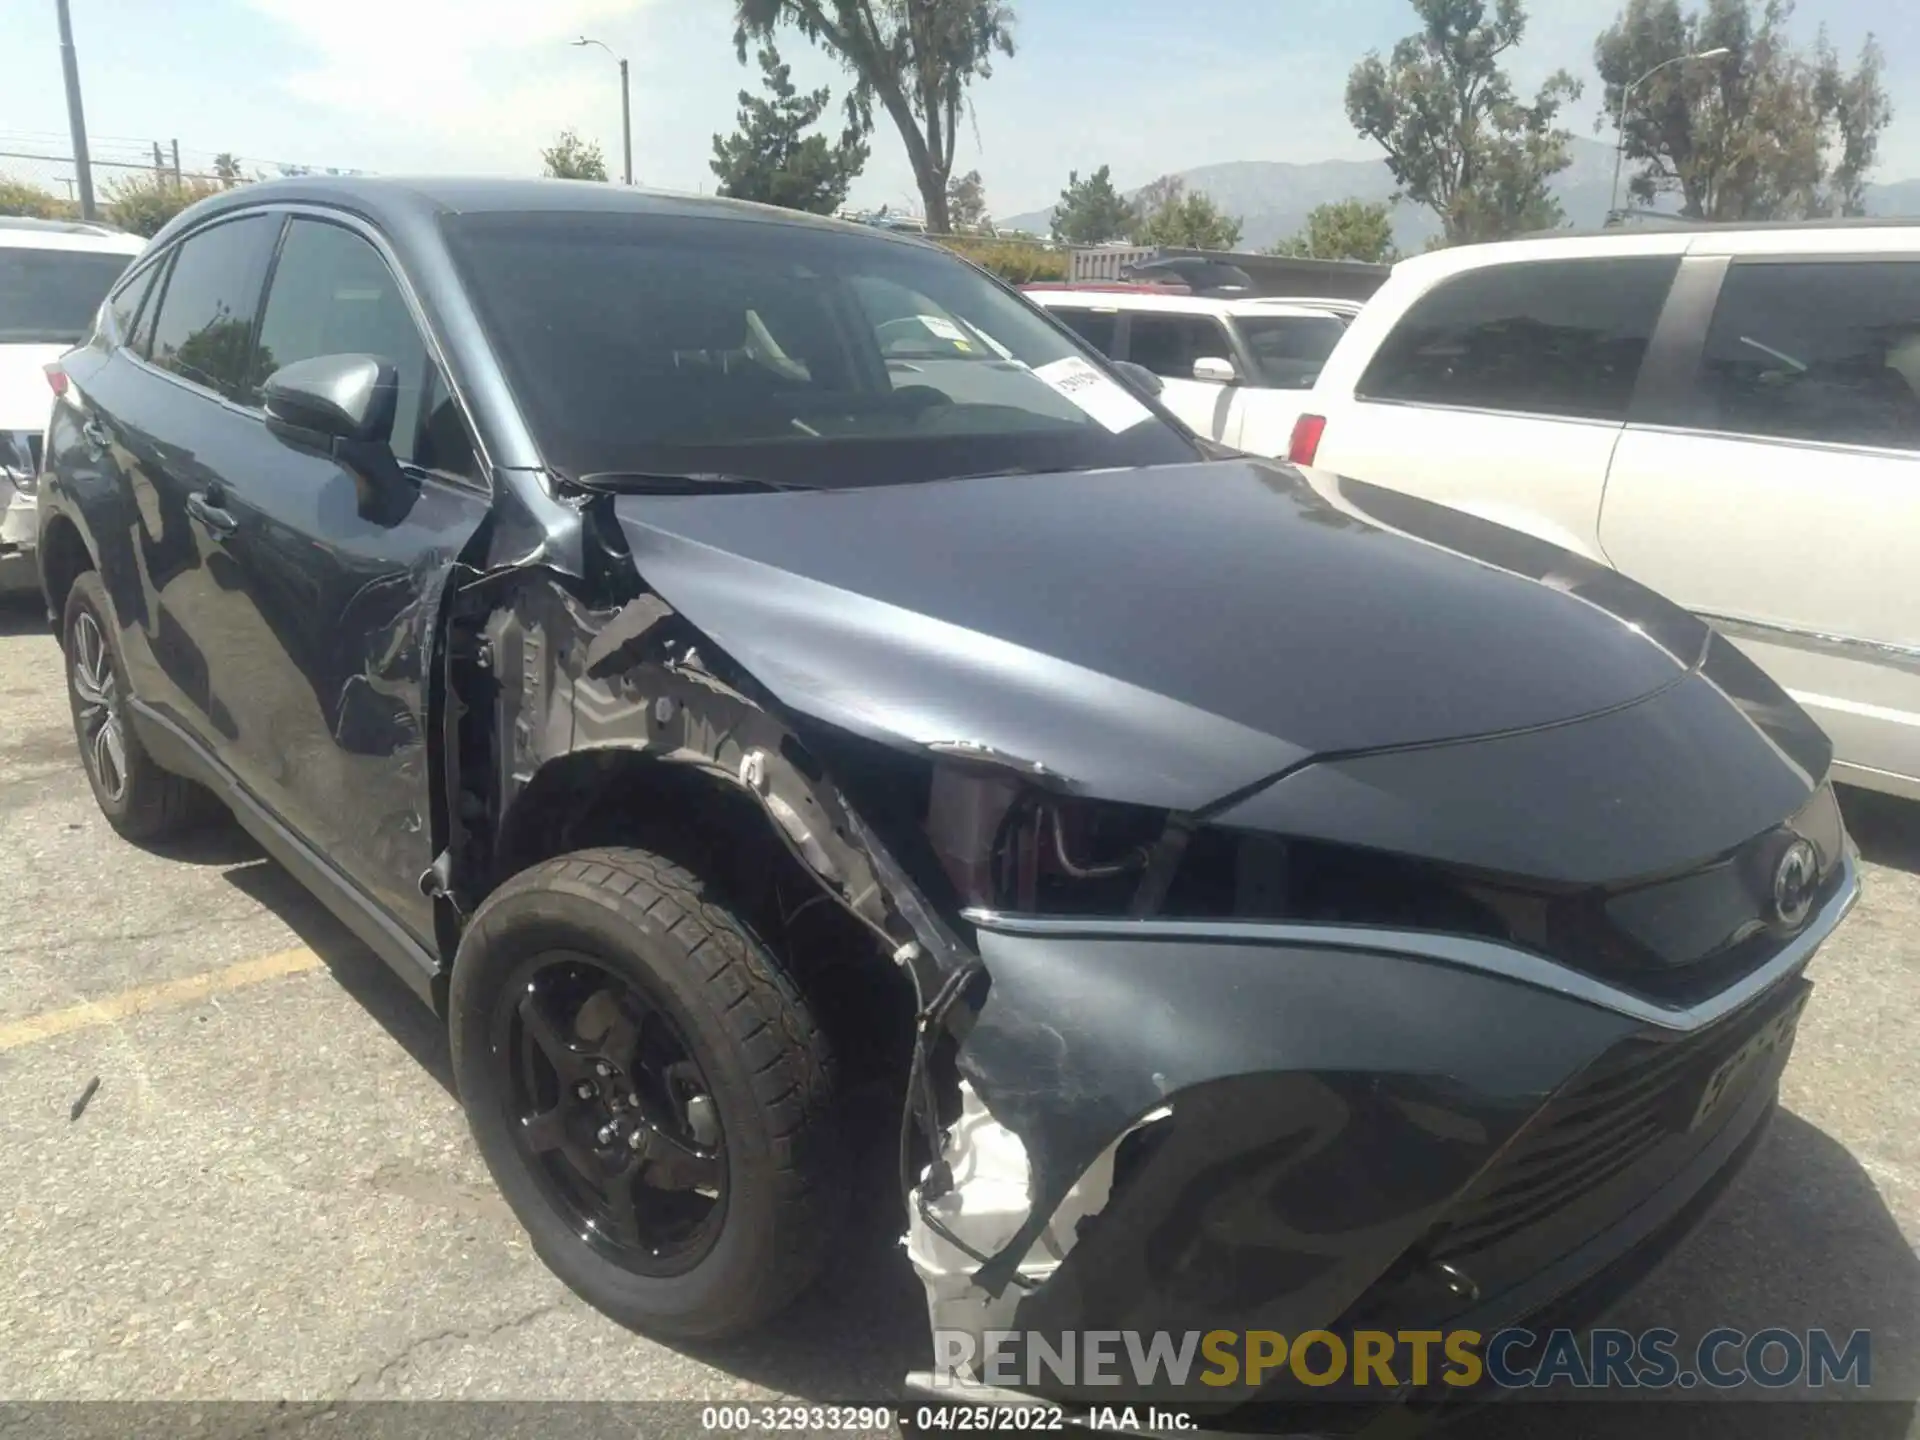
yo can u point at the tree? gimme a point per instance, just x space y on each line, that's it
1457 140
22 197
1762 133
967 202
571 158
1189 222
143 203
1345 230
1091 211
226 169
773 160
915 58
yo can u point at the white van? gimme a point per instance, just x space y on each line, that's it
1731 416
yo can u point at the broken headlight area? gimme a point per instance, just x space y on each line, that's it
1009 845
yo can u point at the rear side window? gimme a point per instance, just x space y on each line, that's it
1823 350
124 308
1551 337
1169 344
205 327
1096 327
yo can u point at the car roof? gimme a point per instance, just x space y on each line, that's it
25 233
1162 303
425 197
1823 237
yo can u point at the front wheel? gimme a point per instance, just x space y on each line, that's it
649 1091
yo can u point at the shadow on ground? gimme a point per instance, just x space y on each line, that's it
361 973
1802 1241
1886 828
24 613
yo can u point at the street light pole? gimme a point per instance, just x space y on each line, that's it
626 105
1620 120
626 122
76 118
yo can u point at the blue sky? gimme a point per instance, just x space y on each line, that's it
394 86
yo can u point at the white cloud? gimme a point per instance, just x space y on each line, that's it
457 84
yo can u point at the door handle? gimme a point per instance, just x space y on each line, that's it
220 523
96 434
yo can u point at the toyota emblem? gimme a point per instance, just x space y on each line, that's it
1794 880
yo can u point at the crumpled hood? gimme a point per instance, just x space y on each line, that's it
1163 636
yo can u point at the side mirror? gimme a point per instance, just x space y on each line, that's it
334 397
1139 377
1215 371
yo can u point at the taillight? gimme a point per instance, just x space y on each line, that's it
56 379
1305 443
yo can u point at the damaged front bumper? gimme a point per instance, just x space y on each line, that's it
1191 1126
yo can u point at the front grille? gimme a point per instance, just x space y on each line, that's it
1633 1104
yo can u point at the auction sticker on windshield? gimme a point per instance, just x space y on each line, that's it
1105 400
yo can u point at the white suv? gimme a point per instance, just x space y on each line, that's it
1237 371
1731 416
53 276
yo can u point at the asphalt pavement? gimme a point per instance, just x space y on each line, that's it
270 1195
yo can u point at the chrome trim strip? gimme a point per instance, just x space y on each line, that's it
1844 647
1466 952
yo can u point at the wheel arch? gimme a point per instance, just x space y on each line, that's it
64 557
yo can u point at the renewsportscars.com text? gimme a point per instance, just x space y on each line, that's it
1722 1359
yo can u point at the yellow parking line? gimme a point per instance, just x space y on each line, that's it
168 993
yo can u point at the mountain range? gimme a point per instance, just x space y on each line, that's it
1272 197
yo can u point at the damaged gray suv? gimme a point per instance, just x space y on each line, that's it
753 673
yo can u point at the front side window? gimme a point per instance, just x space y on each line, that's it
1816 350
1544 337
50 297
1169 344
204 329
1289 350
332 294
783 352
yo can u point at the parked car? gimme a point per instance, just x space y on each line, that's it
53 276
1260 900
1236 371
1730 415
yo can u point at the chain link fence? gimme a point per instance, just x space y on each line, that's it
43 161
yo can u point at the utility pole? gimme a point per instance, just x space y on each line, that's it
76 118
176 162
626 121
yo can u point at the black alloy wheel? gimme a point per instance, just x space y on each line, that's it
612 1113
650 1091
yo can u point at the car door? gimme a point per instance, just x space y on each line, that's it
1503 389
1284 355
338 574
165 423
1772 483
1167 343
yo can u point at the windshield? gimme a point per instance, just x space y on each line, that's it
673 344
48 297
1290 349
